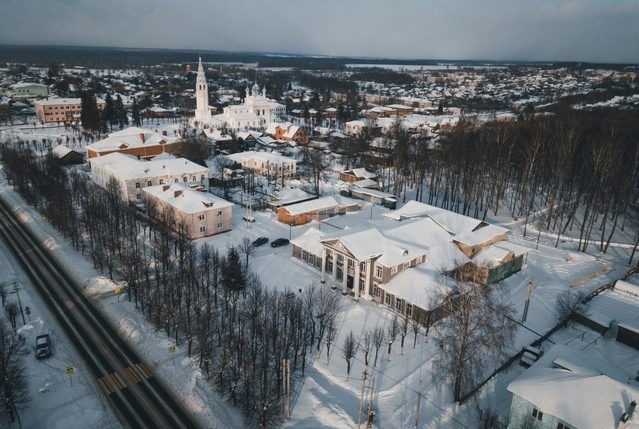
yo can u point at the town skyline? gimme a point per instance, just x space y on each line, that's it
495 30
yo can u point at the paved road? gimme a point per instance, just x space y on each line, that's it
137 397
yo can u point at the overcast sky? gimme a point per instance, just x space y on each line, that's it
536 30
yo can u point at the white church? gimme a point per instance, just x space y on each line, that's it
256 113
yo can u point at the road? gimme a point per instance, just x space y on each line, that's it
138 398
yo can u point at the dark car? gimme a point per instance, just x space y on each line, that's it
43 346
259 241
279 242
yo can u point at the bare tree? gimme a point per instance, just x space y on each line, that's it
378 340
404 332
14 382
473 338
392 331
349 351
569 304
416 326
247 248
331 333
365 344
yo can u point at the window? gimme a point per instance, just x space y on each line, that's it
200 217
406 265
394 270
219 225
376 291
304 255
351 263
361 285
149 183
194 179
378 272
398 305
311 259
318 263
388 299
161 181
138 196
340 274
219 213
329 266
537 414
137 185
340 258
202 229
362 266
176 180
562 426
409 310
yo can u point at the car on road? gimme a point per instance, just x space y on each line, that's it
279 242
259 241
43 346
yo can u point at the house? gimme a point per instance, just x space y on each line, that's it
267 164
68 156
134 175
356 174
400 264
29 90
316 209
616 310
287 132
61 110
194 212
139 142
568 389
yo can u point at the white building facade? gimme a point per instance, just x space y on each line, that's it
202 109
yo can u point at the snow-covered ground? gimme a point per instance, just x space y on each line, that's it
324 398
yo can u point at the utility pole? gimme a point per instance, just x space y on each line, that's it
361 398
419 398
16 288
288 386
530 285
369 420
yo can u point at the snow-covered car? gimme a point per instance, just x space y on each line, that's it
529 356
43 346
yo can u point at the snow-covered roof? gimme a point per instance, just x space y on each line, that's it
129 167
578 389
132 137
315 205
186 199
466 230
273 158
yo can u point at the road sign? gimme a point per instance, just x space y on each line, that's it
70 370
118 290
171 350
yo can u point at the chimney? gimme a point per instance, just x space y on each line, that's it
164 132
142 137
165 187
177 194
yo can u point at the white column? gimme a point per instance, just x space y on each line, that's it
334 259
323 280
356 281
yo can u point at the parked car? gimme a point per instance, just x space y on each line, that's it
259 241
529 356
43 346
279 242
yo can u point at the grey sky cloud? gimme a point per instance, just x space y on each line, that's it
542 30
